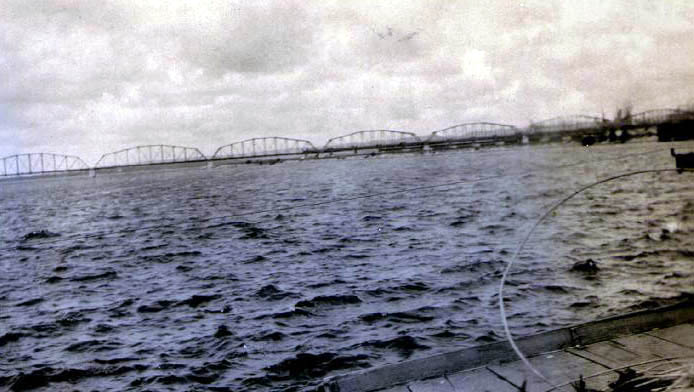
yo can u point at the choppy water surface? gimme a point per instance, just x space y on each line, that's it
283 298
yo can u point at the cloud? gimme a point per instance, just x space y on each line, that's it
248 39
86 77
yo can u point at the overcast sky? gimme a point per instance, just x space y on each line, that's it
89 77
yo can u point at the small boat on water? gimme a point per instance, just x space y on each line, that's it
683 161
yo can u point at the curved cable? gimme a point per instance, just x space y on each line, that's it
525 240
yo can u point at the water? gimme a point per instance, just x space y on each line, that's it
132 281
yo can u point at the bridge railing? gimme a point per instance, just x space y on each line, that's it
150 154
40 163
472 131
264 146
371 139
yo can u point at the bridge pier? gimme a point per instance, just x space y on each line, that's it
676 131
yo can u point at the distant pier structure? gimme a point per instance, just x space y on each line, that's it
670 124
667 124
41 163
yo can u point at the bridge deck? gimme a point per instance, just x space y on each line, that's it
588 349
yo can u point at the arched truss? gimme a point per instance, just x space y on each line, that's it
264 146
376 138
567 123
143 155
40 163
471 131
658 116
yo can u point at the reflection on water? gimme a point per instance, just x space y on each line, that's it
285 297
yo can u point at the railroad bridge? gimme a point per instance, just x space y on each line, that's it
41 163
654 117
381 140
671 124
149 155
558 128
473 134
265 147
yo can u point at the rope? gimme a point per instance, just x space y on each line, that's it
527 237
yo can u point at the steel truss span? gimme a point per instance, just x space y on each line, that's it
151 154
376 138
658 116
264 146
568 123
471 131
40 163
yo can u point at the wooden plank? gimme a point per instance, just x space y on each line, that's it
398 388
633 323
601 382
682 334
647 345
452 362
479 380
634 350
438 384
559 367
447 363
609 354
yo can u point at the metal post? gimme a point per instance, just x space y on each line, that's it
29 159
185 154
4 167
150 154
16 160
161 152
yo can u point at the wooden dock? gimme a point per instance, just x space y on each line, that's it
592 350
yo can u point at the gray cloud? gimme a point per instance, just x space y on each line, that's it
86 77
